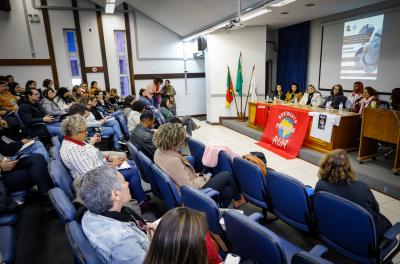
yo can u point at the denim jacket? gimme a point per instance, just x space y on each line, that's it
115 241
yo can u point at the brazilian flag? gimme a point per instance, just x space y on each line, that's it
239 77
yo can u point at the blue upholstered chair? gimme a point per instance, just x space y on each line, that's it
224 163
135 156
256 243
56 141
314 256
201 201
350 230
252 182
145 164
55 152
61 178
83 251
8 219
63 205
168 189
290 200
197 150
7 244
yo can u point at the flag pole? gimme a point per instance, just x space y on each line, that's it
248 91
234 97
241 96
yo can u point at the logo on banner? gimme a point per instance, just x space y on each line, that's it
285 128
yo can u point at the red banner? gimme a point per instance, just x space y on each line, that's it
261 117
285 131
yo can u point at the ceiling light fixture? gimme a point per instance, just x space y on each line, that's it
280 3
110 6
254 14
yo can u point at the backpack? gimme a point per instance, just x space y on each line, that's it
256 160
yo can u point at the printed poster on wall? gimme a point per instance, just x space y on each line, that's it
285 130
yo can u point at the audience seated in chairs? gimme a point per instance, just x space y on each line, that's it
369 99
145 97
118 234
337 177
108 126
114 97
182 237
311 97
336 98
127 105
293 94
51 107
138 108
8 101
80 157
142 135
16 89
22 172
64 99
166 107
167 139
35 118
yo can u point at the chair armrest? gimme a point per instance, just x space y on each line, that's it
318 250
256 217
310 190
392 232
210 192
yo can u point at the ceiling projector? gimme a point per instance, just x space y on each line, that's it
234 24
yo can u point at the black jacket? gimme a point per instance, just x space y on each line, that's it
142 138
9 149
32 114
358 192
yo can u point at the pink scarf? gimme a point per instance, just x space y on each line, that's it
365 103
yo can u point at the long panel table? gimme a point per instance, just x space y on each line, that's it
345 136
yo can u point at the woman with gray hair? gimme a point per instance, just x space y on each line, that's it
167 139
80 157
118 234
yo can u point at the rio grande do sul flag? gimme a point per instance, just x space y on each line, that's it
229 90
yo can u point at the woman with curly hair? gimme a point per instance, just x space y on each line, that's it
337 177
167 139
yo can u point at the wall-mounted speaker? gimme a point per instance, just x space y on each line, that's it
201 44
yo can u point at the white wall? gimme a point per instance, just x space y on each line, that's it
223 50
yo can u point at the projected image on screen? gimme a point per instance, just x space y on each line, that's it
361 48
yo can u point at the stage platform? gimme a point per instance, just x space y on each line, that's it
376 173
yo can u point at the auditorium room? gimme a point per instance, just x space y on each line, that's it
199 131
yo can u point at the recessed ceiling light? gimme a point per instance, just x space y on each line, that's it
284 13
310 4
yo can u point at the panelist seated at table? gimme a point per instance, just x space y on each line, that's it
370 99
395 99
311 97
336 97
278 93
293 94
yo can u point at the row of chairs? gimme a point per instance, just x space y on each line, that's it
318 213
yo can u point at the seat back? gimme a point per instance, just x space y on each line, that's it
7 244
145 164
167 187
134 154
197 150
345 226
55 152
251 181
289 200
83 251
56 141
195 199
307 258
60 176
19 119
252 241
63 205
224 163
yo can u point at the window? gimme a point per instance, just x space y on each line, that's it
122 62
71 46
